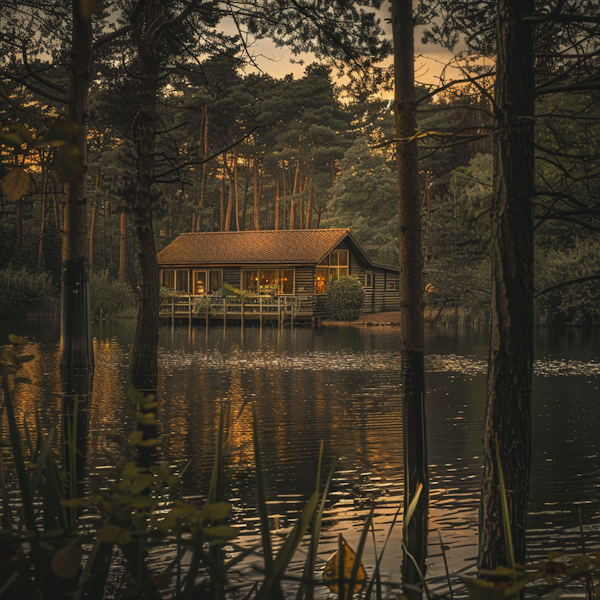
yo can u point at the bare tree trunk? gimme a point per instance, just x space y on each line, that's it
223 198
235 188
76 351
411 295
19 224
144 354
92 230
123 249
510 364
203 180
40 264
309 209
256 207
292 213
230 198
104 261
276 202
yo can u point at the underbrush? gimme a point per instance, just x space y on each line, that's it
24 293
109 298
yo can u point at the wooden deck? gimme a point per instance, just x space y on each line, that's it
233 309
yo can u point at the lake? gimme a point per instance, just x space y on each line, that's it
341 385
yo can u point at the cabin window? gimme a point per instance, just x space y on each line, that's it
176 279
332 268
168 279
391 286
207 282
269 282
368 279
181 280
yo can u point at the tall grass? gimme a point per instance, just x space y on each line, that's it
23 293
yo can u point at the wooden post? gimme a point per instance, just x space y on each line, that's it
242 312
279 321
260 310
172 310
207 307
224 311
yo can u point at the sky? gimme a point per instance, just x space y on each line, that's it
430 59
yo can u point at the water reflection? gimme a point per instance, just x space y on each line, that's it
342 386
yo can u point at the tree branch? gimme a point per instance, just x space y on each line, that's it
557 286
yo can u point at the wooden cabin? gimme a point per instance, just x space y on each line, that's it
287 265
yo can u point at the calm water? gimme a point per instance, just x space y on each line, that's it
340 385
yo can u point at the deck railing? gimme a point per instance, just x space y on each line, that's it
237 308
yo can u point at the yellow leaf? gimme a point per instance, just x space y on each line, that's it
331 572
109 533
17 340
66 562
16 184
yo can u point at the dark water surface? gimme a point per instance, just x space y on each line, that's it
341 385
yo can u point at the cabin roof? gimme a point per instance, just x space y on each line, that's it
296 247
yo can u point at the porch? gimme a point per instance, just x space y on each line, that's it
279 309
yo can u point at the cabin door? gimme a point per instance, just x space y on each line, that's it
199 281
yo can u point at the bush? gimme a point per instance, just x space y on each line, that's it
109 298
25 293
345 297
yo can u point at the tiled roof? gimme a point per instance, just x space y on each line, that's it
251 247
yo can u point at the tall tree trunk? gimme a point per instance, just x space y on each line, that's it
508 416
276 202
40 264
223 198
104 259
309 209
92 231
235 189
256 207
411 295
19 224
144 355
230 198
292 214
76 351
204 167
123 249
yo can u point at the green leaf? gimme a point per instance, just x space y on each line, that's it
15 184
483 590
222 532
59 130
217 511
68 164
12 139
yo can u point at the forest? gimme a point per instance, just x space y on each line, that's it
125 124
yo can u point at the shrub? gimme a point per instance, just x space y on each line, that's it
345 297
108 298
23 292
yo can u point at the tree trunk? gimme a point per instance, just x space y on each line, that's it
256 208
144 355
92 230
223 198
19 224
276 202
510 363
40 265
235 190
203 180
76 351
309 209
411 317
230 198
123 249
292 211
